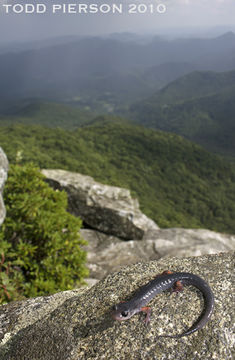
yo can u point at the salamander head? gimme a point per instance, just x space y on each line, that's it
122 312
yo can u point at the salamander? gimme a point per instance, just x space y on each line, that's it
162 282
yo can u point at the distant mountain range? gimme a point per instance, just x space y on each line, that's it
159 83
199 106
105 74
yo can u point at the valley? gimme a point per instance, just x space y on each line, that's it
150 114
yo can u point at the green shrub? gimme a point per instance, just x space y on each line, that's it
40 245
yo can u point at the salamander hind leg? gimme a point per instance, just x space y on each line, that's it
178 286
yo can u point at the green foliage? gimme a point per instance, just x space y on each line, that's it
40 243
177 182
11 277
47 113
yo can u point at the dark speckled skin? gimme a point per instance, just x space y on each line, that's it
125 310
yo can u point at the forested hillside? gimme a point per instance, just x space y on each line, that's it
196 84
46 113
177 182
199 106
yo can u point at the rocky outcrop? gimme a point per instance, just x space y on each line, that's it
3 177
106 254
189 242
108 209
114 213
77 325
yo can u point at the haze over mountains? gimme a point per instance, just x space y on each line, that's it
107 74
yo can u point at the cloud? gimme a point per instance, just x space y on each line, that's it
179 14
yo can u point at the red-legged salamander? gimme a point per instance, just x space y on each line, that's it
166 280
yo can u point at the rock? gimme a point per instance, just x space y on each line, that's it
109 209
106 254
77 325
3 177
189 242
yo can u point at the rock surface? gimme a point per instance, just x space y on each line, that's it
107 254
106 208
3 177
189 242
77 325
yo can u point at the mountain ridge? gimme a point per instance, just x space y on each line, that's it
199 106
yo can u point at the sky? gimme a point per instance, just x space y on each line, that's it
161 16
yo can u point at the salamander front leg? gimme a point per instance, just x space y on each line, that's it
147 310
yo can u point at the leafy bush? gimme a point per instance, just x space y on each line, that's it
40 245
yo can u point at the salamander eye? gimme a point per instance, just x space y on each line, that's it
124 313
